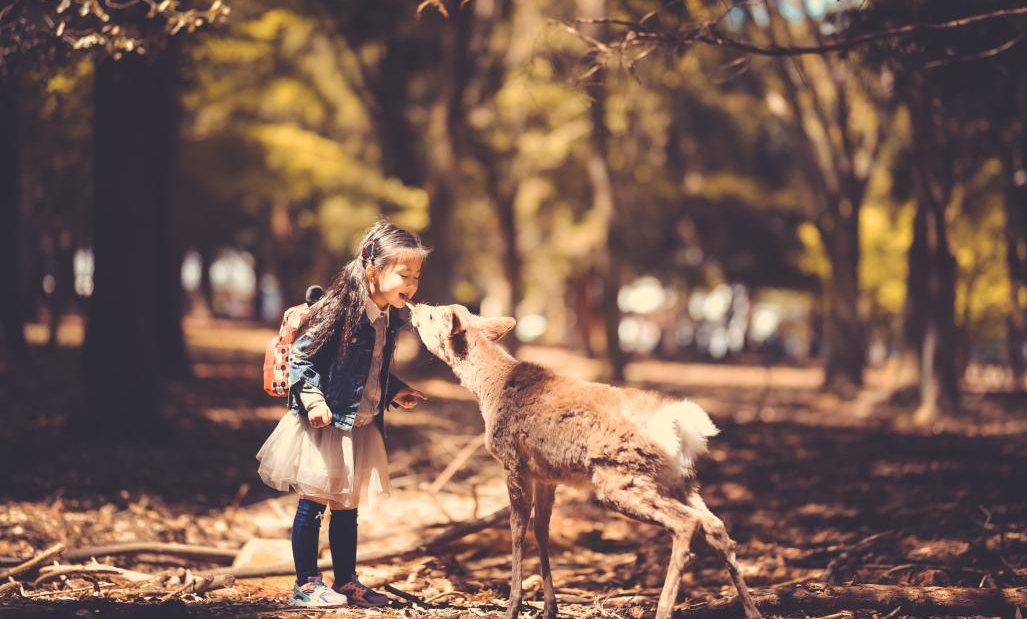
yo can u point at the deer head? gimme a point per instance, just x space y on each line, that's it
448 330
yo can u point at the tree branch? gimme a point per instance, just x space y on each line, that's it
709 33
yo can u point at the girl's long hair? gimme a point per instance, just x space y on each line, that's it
339 310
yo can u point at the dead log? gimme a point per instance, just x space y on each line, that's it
206 553
821 598
419 548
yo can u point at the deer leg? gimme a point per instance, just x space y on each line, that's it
679 557
717 537
642 499
520 511
544 496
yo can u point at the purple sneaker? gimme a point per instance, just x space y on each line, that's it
361 595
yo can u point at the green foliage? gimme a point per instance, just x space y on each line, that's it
49 29
287 149
273 120
978 239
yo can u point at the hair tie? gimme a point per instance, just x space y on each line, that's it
367 253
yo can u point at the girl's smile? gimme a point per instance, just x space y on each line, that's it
396 283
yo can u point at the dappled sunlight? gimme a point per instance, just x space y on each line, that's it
204 332
70 332
233 419
798 480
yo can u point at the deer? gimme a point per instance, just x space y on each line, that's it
635 448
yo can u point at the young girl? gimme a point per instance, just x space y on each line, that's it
330 448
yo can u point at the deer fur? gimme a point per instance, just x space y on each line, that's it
635 448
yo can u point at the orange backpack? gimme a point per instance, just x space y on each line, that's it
276 356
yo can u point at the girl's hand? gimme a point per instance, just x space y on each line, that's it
319 415
408 398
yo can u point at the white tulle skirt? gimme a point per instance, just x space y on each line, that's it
341 468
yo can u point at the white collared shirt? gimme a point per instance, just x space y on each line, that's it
368 407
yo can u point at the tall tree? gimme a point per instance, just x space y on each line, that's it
933 181
444 146
135 115
838 156
1014 158
11 309
608 257
431 54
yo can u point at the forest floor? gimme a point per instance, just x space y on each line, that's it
805 482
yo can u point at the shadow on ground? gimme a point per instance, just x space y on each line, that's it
874 503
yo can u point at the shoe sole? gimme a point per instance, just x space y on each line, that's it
316 606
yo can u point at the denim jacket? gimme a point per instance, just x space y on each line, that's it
342 380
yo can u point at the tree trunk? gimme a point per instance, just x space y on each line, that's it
259 268
62 267
175 361
580 299
206 285
11 310
512 263
168 111
844 339
123 356
939 381
1016 242
608 255
396 135
911 338
502 196
443 152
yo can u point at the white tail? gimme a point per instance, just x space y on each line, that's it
681 429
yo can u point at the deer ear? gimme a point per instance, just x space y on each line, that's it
495 328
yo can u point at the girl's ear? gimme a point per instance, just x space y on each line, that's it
371 272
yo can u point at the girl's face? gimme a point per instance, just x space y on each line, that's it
395 283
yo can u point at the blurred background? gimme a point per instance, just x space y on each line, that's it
664 194
623 200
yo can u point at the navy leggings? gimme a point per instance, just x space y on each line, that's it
342 539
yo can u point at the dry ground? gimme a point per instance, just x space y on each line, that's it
802 479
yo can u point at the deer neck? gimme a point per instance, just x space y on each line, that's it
483 371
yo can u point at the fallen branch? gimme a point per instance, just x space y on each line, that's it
200 583
421 547
208 553
830 571
53 572
459 460
63 593
39 559
410 597
914 601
